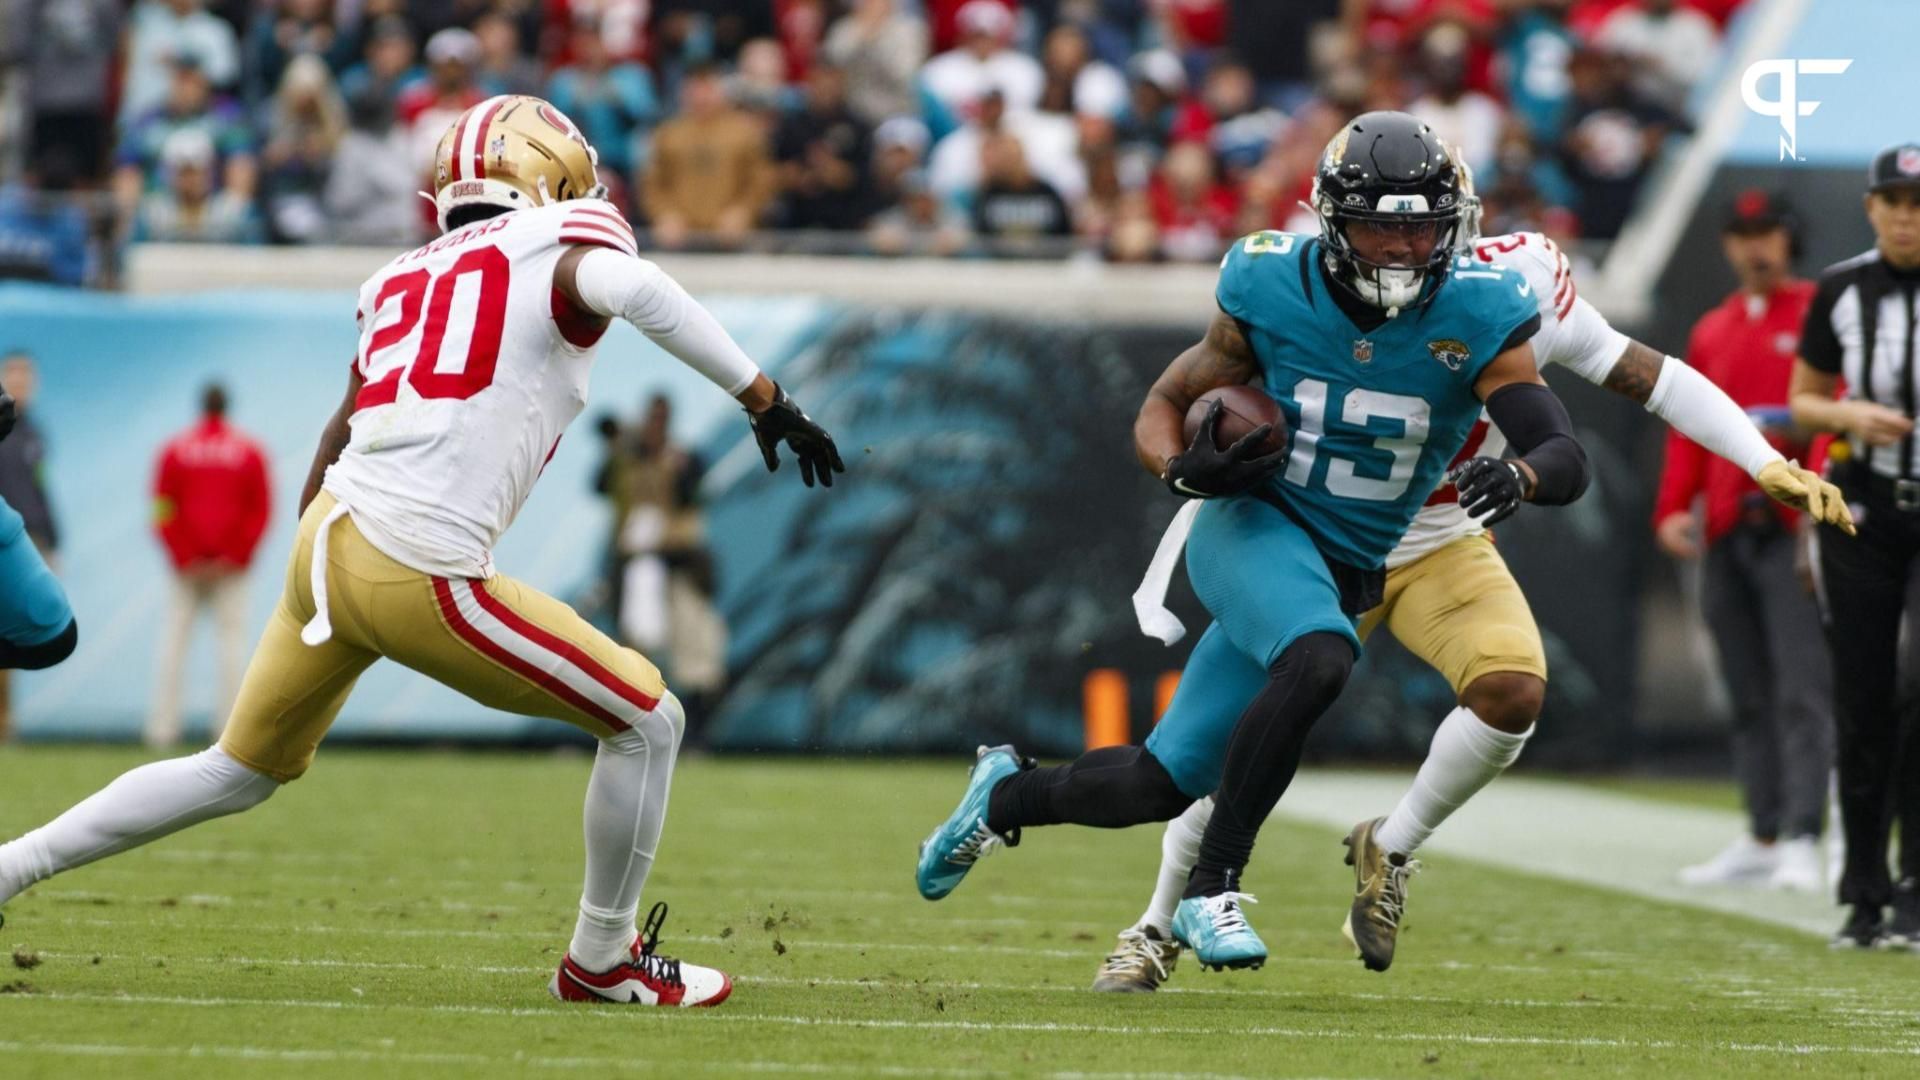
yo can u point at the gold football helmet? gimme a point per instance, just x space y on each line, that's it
512 151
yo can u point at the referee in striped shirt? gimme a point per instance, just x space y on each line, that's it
1861 329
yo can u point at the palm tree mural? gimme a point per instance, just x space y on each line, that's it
978 557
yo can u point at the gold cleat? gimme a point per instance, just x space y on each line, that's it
1379 895
1140 962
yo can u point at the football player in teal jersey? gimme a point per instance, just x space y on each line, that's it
37 629
1381 352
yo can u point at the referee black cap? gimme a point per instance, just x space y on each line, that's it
1896 165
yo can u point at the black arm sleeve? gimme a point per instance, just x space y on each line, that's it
44 655
1537 425
1819 346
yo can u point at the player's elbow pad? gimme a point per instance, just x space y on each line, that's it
45 654
1537 425
620 286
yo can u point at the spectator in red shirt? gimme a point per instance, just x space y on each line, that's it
210 500
1764 622
1194 211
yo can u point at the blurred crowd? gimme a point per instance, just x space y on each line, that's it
1140 129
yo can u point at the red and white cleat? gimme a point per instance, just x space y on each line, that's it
646 979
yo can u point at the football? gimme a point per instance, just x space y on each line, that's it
1243 408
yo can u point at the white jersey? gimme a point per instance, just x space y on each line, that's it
1572 334
473 367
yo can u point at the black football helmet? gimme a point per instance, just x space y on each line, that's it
1388 167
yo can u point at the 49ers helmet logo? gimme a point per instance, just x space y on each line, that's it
559 122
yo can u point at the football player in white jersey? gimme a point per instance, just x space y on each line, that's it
473 358
1452 602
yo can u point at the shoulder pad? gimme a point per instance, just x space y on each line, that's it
593 222
1537 258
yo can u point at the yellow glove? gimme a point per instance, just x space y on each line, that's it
1786 482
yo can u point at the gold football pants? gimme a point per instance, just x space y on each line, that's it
1459 609
502 643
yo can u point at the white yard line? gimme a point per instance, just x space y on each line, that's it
1046 1027
1571 832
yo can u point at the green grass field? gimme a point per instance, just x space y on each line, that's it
397 914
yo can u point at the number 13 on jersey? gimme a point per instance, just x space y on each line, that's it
1358 409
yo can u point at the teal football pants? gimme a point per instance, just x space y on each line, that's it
1266 584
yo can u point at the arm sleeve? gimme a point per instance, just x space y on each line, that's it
1819 346
620 286
1537 425
1704 413
1585 343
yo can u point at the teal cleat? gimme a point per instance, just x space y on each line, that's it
960 841
1214 928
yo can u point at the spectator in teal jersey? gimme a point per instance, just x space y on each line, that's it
1535 49
189 207
613 103
190 105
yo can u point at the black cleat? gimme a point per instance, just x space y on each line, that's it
1864 929
1903 930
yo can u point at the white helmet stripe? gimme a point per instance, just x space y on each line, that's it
473 135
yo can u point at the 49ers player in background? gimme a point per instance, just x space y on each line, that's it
474 355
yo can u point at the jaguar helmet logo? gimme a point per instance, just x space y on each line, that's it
1450 351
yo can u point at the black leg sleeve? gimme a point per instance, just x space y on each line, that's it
1265 752
1109 788
44 655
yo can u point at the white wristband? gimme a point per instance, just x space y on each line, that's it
1704 413
618 285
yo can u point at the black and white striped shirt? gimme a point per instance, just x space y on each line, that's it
1861 327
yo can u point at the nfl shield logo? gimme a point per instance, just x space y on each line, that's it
1909 161
1363 352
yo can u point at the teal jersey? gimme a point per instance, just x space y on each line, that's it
1376 414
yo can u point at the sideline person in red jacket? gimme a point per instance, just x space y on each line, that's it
210 500
1764 622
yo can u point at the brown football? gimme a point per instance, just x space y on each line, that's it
1243 408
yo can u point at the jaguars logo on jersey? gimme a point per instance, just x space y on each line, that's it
1451 352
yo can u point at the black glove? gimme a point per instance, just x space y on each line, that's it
1202 471
809 442
1491 489
6 413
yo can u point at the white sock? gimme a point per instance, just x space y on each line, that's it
626 807
1465 756
1179 850
139 807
